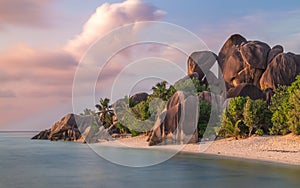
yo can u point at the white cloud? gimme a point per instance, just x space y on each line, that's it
108 17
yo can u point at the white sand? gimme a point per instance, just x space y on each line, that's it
280 149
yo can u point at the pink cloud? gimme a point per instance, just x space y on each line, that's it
32 81
15 112
7 94
25 12
108 17
25 71
40 79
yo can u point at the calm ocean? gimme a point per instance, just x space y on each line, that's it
35 163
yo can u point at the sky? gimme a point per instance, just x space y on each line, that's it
42 43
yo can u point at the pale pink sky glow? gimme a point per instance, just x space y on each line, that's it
42 41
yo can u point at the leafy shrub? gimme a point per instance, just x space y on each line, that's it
280 107
285 106
141 110
191 86
294 113
256 115
293 117
122 128
232 124
245 116
259 132
204 115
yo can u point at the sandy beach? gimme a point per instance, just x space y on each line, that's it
279 149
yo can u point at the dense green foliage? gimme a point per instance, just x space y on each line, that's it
256 115
285 107
293 116
141 110
232 119
279 107
122 128
142 116
244 117
204 115
190 86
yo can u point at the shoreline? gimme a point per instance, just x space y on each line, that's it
284 150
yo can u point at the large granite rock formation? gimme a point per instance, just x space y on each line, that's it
177 123
243 61
282 70
229 47
274 52
246 90
248 68
249 62
74 128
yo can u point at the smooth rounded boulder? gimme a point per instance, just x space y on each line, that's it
174 126
233 69
138 98
201 60
282 70
231 44
274 52
243 62
255 54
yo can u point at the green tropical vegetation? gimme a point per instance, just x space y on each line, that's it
161 91
279 108
105 112
232 124
285 107
257 116
146 112
204 115
190 86
243 117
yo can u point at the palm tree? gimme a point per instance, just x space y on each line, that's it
160 91
105 113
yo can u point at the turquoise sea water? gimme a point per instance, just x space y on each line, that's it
36 163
